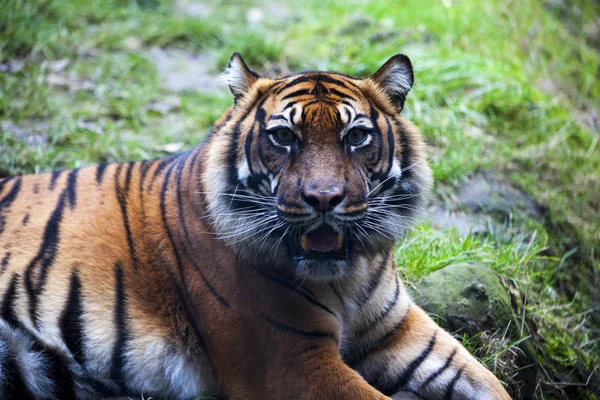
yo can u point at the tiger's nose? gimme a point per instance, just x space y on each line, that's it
323 199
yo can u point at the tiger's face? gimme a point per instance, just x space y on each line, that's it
317 168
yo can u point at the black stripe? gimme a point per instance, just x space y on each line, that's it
292 114
121 199
295 81
232 151
278 117
440 370
452 384
25 220
100 168
7 312
297 93
162 164
388 308
336 293
163 213
313 334
340 94
320 89
57 370
70 323
405 151
143 172
54 178
375 345
391 147
46 254
329 79
374 281
232 154
13 385
118 356
410 370
248 149
338 117
319 78
186 251
72 188
190 314
4 262
36 188
346 102
289 105
378 136
283 276
7 200
4 181
348 114
197 151
297 290
130 166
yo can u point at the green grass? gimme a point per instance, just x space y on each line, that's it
481 98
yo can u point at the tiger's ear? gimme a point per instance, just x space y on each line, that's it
395 78
239 77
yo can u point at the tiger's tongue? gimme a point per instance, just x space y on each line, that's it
323 239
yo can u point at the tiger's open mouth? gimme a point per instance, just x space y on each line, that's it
323 242
322 253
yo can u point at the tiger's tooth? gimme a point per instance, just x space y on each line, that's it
340 241
304 242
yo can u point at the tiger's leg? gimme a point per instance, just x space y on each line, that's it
397 348
332 379
424 359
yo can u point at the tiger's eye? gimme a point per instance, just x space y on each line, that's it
284 136
356 136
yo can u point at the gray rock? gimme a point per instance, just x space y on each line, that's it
485 193
442 218
480 203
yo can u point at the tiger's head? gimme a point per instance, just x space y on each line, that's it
315 169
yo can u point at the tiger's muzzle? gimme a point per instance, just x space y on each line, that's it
323 244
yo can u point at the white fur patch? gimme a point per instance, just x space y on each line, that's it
184 380
274 182
155 367
236 77
243 170
397 80
395 170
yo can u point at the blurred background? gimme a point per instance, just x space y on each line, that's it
506 93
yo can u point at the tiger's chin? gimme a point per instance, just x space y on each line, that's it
321 254
321 269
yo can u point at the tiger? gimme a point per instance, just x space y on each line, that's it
258 265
